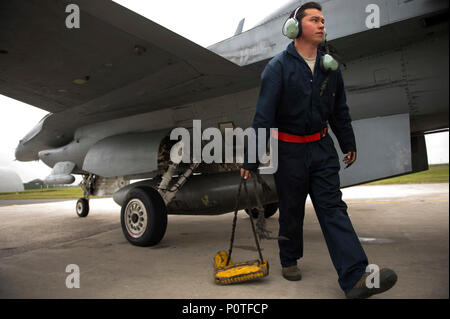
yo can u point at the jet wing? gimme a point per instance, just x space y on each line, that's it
117 63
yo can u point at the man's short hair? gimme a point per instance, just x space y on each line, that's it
301 12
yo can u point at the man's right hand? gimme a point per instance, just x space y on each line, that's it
245 173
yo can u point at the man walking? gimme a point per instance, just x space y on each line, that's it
300 96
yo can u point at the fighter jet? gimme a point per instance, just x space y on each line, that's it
116 84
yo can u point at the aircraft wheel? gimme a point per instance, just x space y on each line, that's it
144 217
269 210
82 207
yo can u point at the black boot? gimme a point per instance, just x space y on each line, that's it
388 278
292 273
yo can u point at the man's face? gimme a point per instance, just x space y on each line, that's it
313 26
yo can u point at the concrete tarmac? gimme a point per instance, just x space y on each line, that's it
403 227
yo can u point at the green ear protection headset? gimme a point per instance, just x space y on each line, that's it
292 29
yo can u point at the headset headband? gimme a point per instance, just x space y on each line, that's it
295 14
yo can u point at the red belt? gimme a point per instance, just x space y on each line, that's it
285 137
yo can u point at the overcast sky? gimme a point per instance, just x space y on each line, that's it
204 22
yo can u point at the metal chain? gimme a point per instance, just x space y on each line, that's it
234 223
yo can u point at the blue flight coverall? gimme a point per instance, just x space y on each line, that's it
290 100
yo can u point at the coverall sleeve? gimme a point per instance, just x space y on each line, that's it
269 97
340 120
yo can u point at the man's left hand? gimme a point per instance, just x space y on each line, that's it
350 158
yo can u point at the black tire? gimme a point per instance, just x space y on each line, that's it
82 207
269 210
143 217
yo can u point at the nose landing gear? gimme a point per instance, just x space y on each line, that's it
82 207
87 185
